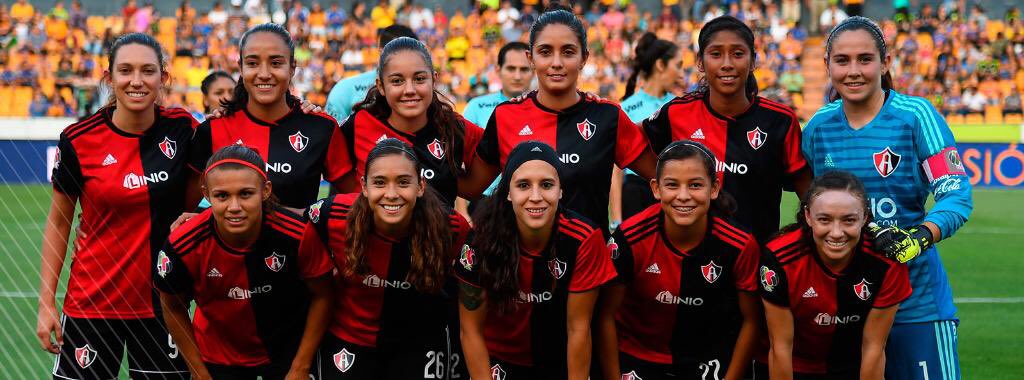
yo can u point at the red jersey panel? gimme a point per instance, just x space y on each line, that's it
757 151
379 309
681 307
829 309
589 138
130 188
298 149
363 131
534 334
250 304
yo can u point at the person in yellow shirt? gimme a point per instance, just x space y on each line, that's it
56 29
457 45
22 12
383 15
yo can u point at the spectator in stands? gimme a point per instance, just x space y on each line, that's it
508 18
59 107
792 80
22 12
383 15
830 17
217 16
974 100
39 106
1012 103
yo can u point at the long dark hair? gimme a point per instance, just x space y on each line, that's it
243 153
440 111
129 39
725 204
731 24
834 180
240 96
649 51
430 240
858 23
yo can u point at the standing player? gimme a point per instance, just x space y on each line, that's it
530 278
829 299
756 141
657 62
298 147
688 279
903 151
261 307
350 91
516 76
393 244
126 167
404 104
590 134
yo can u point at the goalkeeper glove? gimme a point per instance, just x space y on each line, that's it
899 244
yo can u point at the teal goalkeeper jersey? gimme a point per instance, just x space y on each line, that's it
904 155
642 105
347 92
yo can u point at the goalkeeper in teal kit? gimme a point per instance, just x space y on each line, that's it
903 151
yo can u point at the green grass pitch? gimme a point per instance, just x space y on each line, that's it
983 260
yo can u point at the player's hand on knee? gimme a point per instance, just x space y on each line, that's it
182 219
48 325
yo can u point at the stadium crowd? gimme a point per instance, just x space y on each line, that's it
966 62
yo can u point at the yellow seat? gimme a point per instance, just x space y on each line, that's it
6 99
955 119
194 100
1013 118
974 119
993 114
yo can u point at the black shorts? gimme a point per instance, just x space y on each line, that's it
93 349
341 360
761 372
223 372
633 368
713 369
636 195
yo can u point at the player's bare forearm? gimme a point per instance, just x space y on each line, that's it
645 164
55 245
316 321
607 347
802 181
193 192
934 230
780 333
478 176
179 325
472 315
750 332
876 331
580 315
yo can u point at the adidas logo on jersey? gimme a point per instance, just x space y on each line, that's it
239 142
110 160
382 138
526 131
697 135
829 163
214 273
810 293
654 269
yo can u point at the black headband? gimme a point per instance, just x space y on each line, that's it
529 151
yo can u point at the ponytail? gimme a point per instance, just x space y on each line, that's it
649 51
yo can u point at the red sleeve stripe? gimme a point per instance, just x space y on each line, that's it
569 230
185 247
639 231
285 222
688 98
80 129
188 230
736 233
171 112
778 107
287 230
584 228
90 121
790 254
725 237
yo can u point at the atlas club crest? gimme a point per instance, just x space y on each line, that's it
886 162
586 129
343 360
436 149
168 147
711 271
861 290
557 268
497 373
298 141
756 138
274 262
85 356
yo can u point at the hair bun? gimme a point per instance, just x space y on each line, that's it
645 42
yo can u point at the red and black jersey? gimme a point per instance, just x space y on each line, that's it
362 132
829 309
589 138
379 309
680 307
130 187
299 148
758 151
250 303
534 333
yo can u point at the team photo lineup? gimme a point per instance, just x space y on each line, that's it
596 205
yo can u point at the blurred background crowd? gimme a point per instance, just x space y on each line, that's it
967 60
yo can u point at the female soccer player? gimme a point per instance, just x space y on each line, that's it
530 277
687 278
261 306
405 105
756 141
902 149
298 147
657 62
217 88
829 299
590 134
126 167
393 244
